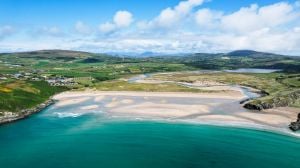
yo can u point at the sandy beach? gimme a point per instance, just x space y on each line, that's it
230 94
215 108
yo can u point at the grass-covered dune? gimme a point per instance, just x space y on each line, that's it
280 89
119 85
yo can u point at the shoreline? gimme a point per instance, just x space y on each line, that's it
250 126
162 106
71 97
255 127
242 125
25 113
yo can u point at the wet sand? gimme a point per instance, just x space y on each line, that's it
212 108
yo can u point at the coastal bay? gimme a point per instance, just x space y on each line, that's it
187 97
221 108
142 114
93 140
149 84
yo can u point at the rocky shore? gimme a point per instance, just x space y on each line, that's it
7 117
280 101
295 126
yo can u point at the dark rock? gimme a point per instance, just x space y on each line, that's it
295 126
245 100
253 106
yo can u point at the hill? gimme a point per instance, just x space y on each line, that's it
53 54
250 53
243 59
232 60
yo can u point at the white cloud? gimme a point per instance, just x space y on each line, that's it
277 14
82 28
6 31
254 17
243 20
166 18
187 27
207 18
121 19
262 40
184 7
172 16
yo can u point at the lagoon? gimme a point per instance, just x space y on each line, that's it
253 70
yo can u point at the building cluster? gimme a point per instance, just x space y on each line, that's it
61 81
37 76
32 75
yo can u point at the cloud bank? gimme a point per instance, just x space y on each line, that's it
185 27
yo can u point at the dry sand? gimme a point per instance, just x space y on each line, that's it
66 101
234 95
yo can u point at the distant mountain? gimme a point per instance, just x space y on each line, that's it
132 54
63 53
69 54
150 54
51 54
250 53
145 54
231 60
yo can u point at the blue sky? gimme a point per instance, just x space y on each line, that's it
150 25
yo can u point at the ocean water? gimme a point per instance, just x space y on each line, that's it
97 141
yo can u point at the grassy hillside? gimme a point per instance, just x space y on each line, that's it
52 54
236 60
18 95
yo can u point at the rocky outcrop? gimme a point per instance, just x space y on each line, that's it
276 101
295 126
258 105
8 117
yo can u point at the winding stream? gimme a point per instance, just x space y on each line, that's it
248 92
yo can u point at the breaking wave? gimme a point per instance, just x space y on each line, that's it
73 114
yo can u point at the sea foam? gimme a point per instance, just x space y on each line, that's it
74 114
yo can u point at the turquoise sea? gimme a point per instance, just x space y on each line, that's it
96 141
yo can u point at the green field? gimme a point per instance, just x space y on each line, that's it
101 71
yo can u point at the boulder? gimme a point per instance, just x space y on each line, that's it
295 126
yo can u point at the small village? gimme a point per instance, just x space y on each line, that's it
37 75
